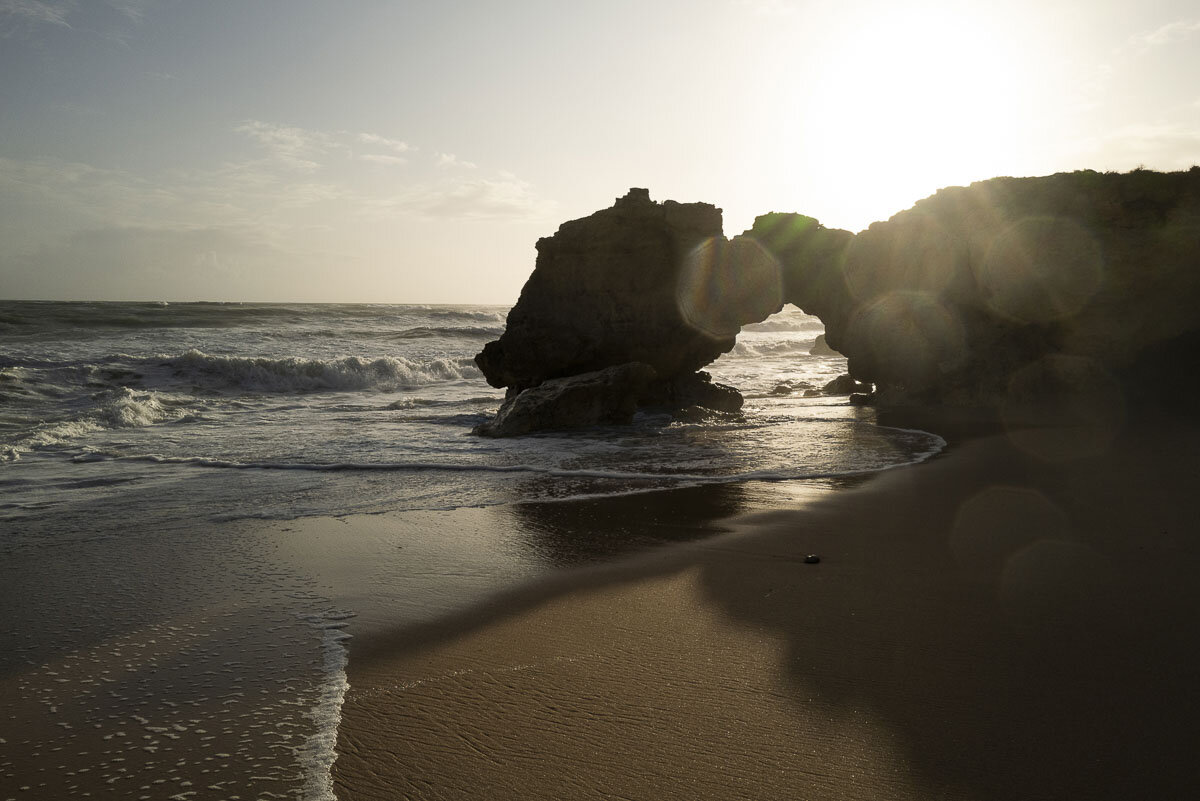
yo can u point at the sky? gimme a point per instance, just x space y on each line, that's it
414 152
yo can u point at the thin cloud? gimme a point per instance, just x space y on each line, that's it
26 17
503 198
133 10
395 145
451 160
294 147
34 13
1170 33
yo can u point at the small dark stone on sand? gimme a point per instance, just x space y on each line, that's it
812 559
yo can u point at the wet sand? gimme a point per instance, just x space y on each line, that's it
1019 618
199 659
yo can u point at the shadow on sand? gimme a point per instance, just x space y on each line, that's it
1021 627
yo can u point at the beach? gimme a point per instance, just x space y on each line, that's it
1014 619
254 551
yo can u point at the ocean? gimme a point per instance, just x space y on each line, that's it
158 462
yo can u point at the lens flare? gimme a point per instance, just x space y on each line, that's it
726 284
994 524
907 337
1041 269
913 252
1063 407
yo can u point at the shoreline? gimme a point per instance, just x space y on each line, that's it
997 622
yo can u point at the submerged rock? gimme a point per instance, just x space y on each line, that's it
845 385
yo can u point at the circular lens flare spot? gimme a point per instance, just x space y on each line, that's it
1041 269
906 338
726 284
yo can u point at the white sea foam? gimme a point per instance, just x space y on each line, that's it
318 753
789 347
785 322
296 374
117 408
935 445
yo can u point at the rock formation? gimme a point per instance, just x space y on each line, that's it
602 396
645 282
1077 293
1012 292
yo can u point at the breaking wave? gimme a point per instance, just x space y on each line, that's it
300 375
29 316
787 323
464 332
116 408
785 348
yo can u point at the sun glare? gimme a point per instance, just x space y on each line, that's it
907 101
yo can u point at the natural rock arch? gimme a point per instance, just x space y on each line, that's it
1070 293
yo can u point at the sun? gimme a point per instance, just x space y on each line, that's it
906 101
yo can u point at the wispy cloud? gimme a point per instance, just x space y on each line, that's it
300 171
26 18
297 148
451 160
26 14
249 226
1170 33
133 10
395 145
504 197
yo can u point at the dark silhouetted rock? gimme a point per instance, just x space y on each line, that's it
1065 297
1012 293
821 348
845 385
655 283
693 389
640 281
603 396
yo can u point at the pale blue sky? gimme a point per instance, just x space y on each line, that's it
414 152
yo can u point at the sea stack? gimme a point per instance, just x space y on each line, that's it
653 284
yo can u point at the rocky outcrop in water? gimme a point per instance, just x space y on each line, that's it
641 282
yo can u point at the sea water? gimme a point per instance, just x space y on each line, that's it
136 439
339 409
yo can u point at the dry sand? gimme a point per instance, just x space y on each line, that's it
1009 621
